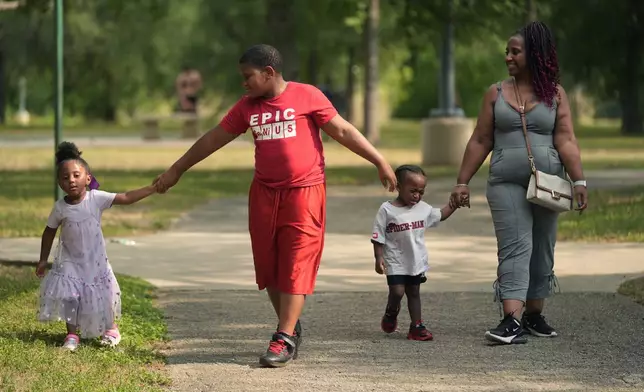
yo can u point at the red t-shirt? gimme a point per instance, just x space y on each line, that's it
286 129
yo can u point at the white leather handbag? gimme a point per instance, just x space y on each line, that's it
547 190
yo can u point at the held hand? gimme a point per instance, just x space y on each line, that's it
167 180
453 204
387 177
380 266
157 184
460 196
581 197
40 268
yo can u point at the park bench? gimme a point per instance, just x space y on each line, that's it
189 128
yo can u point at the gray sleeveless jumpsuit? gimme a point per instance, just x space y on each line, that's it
526 233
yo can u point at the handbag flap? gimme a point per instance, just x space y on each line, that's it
554 185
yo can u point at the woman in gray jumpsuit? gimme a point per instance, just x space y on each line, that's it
526 233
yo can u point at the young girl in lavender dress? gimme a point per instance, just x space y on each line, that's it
81 288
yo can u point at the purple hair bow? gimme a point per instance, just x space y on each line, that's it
93 184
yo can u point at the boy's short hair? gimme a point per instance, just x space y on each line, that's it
262 56
402 171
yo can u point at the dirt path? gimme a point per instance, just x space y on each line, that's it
218 334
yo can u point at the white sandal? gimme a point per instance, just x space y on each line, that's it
111 338
71 342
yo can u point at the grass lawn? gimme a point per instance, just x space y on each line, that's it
44 127
31 358
397 133
27 188
633 288
26 197
26 194
602 146
26 200
615 215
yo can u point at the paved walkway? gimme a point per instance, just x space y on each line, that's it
198 252
219 322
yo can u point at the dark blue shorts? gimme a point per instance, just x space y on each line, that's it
407 280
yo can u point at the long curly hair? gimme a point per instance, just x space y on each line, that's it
541 59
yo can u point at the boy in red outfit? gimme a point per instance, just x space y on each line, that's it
287 200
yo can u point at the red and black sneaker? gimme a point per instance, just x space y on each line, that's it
418 331
389 322
280 351
298 339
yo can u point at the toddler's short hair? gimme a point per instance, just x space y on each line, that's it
402 171
262 56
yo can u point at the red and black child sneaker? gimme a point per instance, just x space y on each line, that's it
298 337
389 322
418 331
280 351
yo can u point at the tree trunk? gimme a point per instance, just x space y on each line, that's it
282 35
371 128
3 81
629 101
349 91
314 68
630 84
530 11
110 107
3 87
109 113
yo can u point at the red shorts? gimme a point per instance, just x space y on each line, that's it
287 235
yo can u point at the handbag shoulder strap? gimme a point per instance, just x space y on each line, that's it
523 125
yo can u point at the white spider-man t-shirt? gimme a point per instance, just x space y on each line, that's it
402 232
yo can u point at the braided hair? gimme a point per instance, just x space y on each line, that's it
541 59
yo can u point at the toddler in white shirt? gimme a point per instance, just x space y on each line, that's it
399 247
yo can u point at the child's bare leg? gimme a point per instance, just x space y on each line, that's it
417 330
396 293
71 305
290 309
389 322
413 302
72 329
274 296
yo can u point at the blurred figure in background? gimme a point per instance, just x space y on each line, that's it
188 85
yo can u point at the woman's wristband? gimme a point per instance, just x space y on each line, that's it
580 183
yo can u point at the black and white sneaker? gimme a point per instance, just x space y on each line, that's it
509 331
536 325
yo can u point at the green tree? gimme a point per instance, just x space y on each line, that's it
601 48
